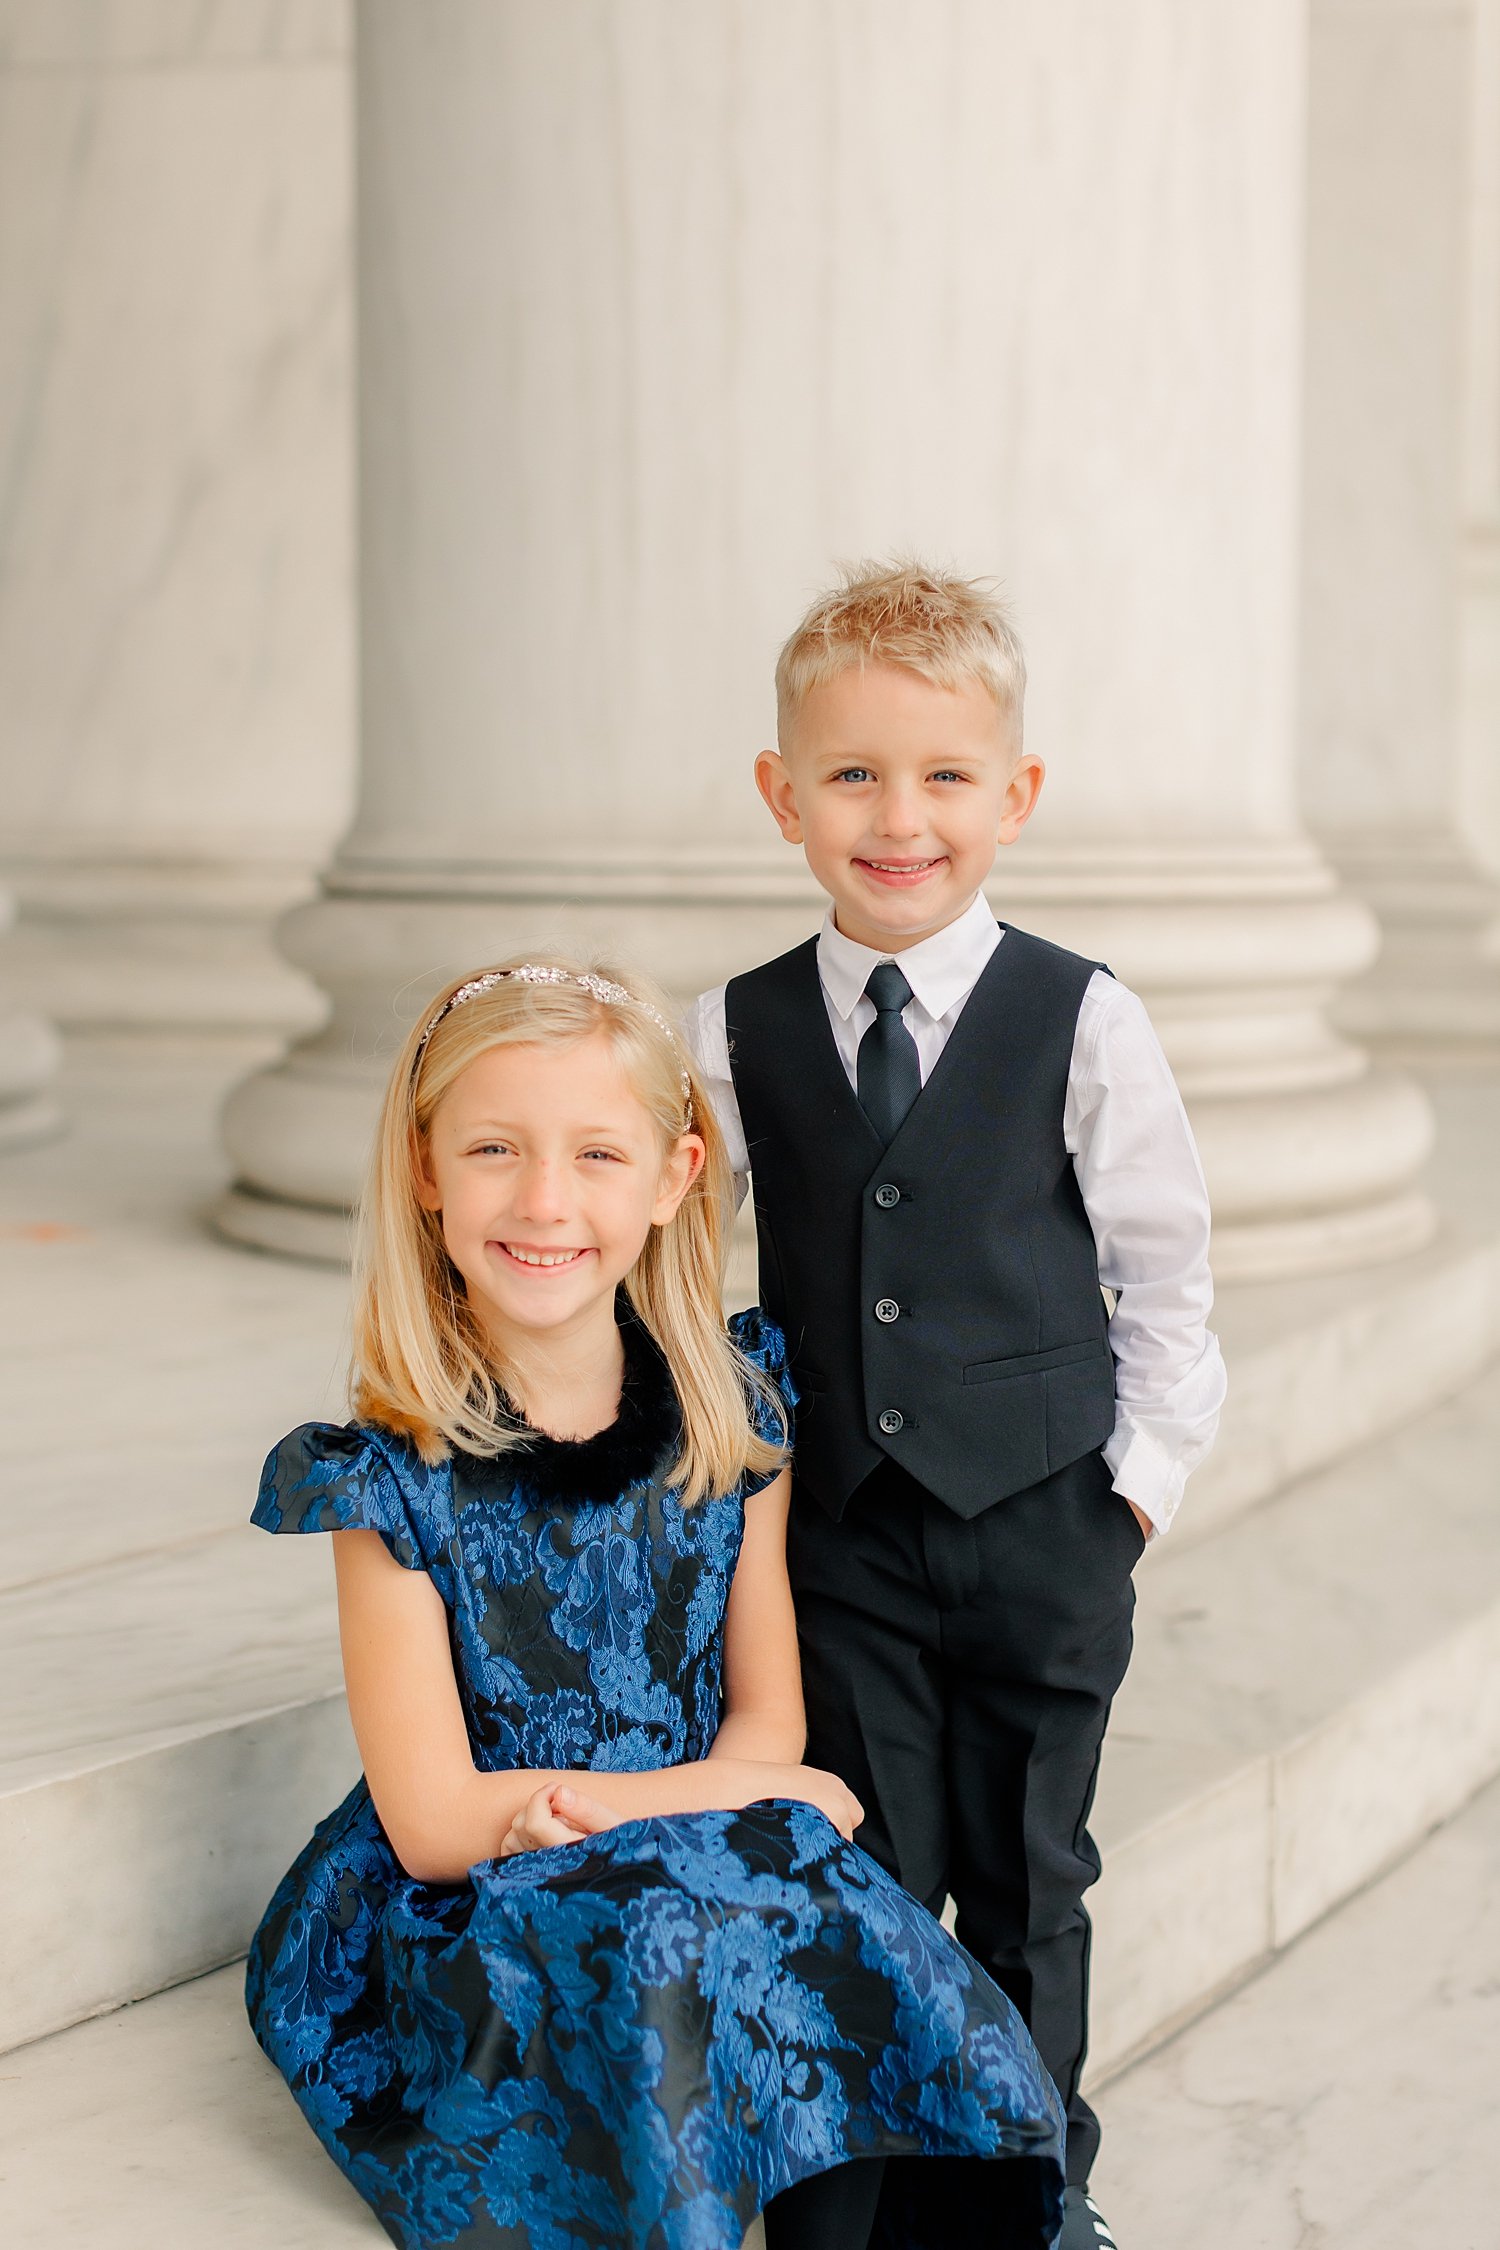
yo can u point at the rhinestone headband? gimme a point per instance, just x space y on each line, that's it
542 972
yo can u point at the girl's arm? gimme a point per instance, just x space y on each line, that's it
441 1813
763 1714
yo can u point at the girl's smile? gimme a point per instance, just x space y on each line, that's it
545 1261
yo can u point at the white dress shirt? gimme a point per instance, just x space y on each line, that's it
1132 1148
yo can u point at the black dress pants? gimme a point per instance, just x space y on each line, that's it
910 2203
958 1677
832 2211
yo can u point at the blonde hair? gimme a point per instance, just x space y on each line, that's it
423 1366
952 631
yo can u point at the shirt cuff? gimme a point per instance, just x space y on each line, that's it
1146 1473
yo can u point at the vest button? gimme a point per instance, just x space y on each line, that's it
891 1420
886 1308
887 1196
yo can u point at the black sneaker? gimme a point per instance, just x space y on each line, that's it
1083 2228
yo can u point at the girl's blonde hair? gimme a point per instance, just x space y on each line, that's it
423 1366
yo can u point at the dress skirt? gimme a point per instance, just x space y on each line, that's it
634 2042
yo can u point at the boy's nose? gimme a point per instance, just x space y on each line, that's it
899 815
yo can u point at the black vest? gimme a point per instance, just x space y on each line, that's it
941 1298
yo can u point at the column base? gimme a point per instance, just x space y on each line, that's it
185 945
317 1234
24 1122
1311 1156
30 1052
1435 985
1393 1228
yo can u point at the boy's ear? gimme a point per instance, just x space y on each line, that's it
774 781
1021 794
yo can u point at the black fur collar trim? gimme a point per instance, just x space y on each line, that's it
642 1438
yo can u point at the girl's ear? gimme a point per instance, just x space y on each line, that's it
428 1192
685 1161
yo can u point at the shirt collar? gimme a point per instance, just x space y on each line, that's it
941 970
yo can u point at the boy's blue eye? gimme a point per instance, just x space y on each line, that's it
854 773
949 773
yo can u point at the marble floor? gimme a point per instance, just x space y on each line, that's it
1344 2100
1347 2099
145 1367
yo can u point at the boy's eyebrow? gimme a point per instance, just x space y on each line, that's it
833 759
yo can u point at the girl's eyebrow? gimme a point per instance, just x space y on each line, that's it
582 1132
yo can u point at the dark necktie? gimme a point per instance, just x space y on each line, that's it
888 1075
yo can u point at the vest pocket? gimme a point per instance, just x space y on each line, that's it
1034 1363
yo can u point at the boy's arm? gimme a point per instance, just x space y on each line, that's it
1143 1189
707 1037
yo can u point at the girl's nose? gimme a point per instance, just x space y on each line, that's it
541 1192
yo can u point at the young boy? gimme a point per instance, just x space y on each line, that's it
955 1134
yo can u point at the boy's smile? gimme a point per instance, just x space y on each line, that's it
901 792
900 874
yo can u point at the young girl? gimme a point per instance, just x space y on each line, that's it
587 1960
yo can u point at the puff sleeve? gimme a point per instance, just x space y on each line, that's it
764 1346
331 1477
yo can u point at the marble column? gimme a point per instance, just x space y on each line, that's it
1401 612
1478 687
176 643
660 309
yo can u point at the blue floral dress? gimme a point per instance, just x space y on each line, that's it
635 2041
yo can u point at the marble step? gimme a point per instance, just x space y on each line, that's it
170 1728
1345 2097
1326 1365
1313 1688
163 2127
160 2127
1345 2100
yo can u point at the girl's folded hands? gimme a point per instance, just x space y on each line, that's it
559 1813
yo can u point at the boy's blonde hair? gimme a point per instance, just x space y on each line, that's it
423 1366
952 631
